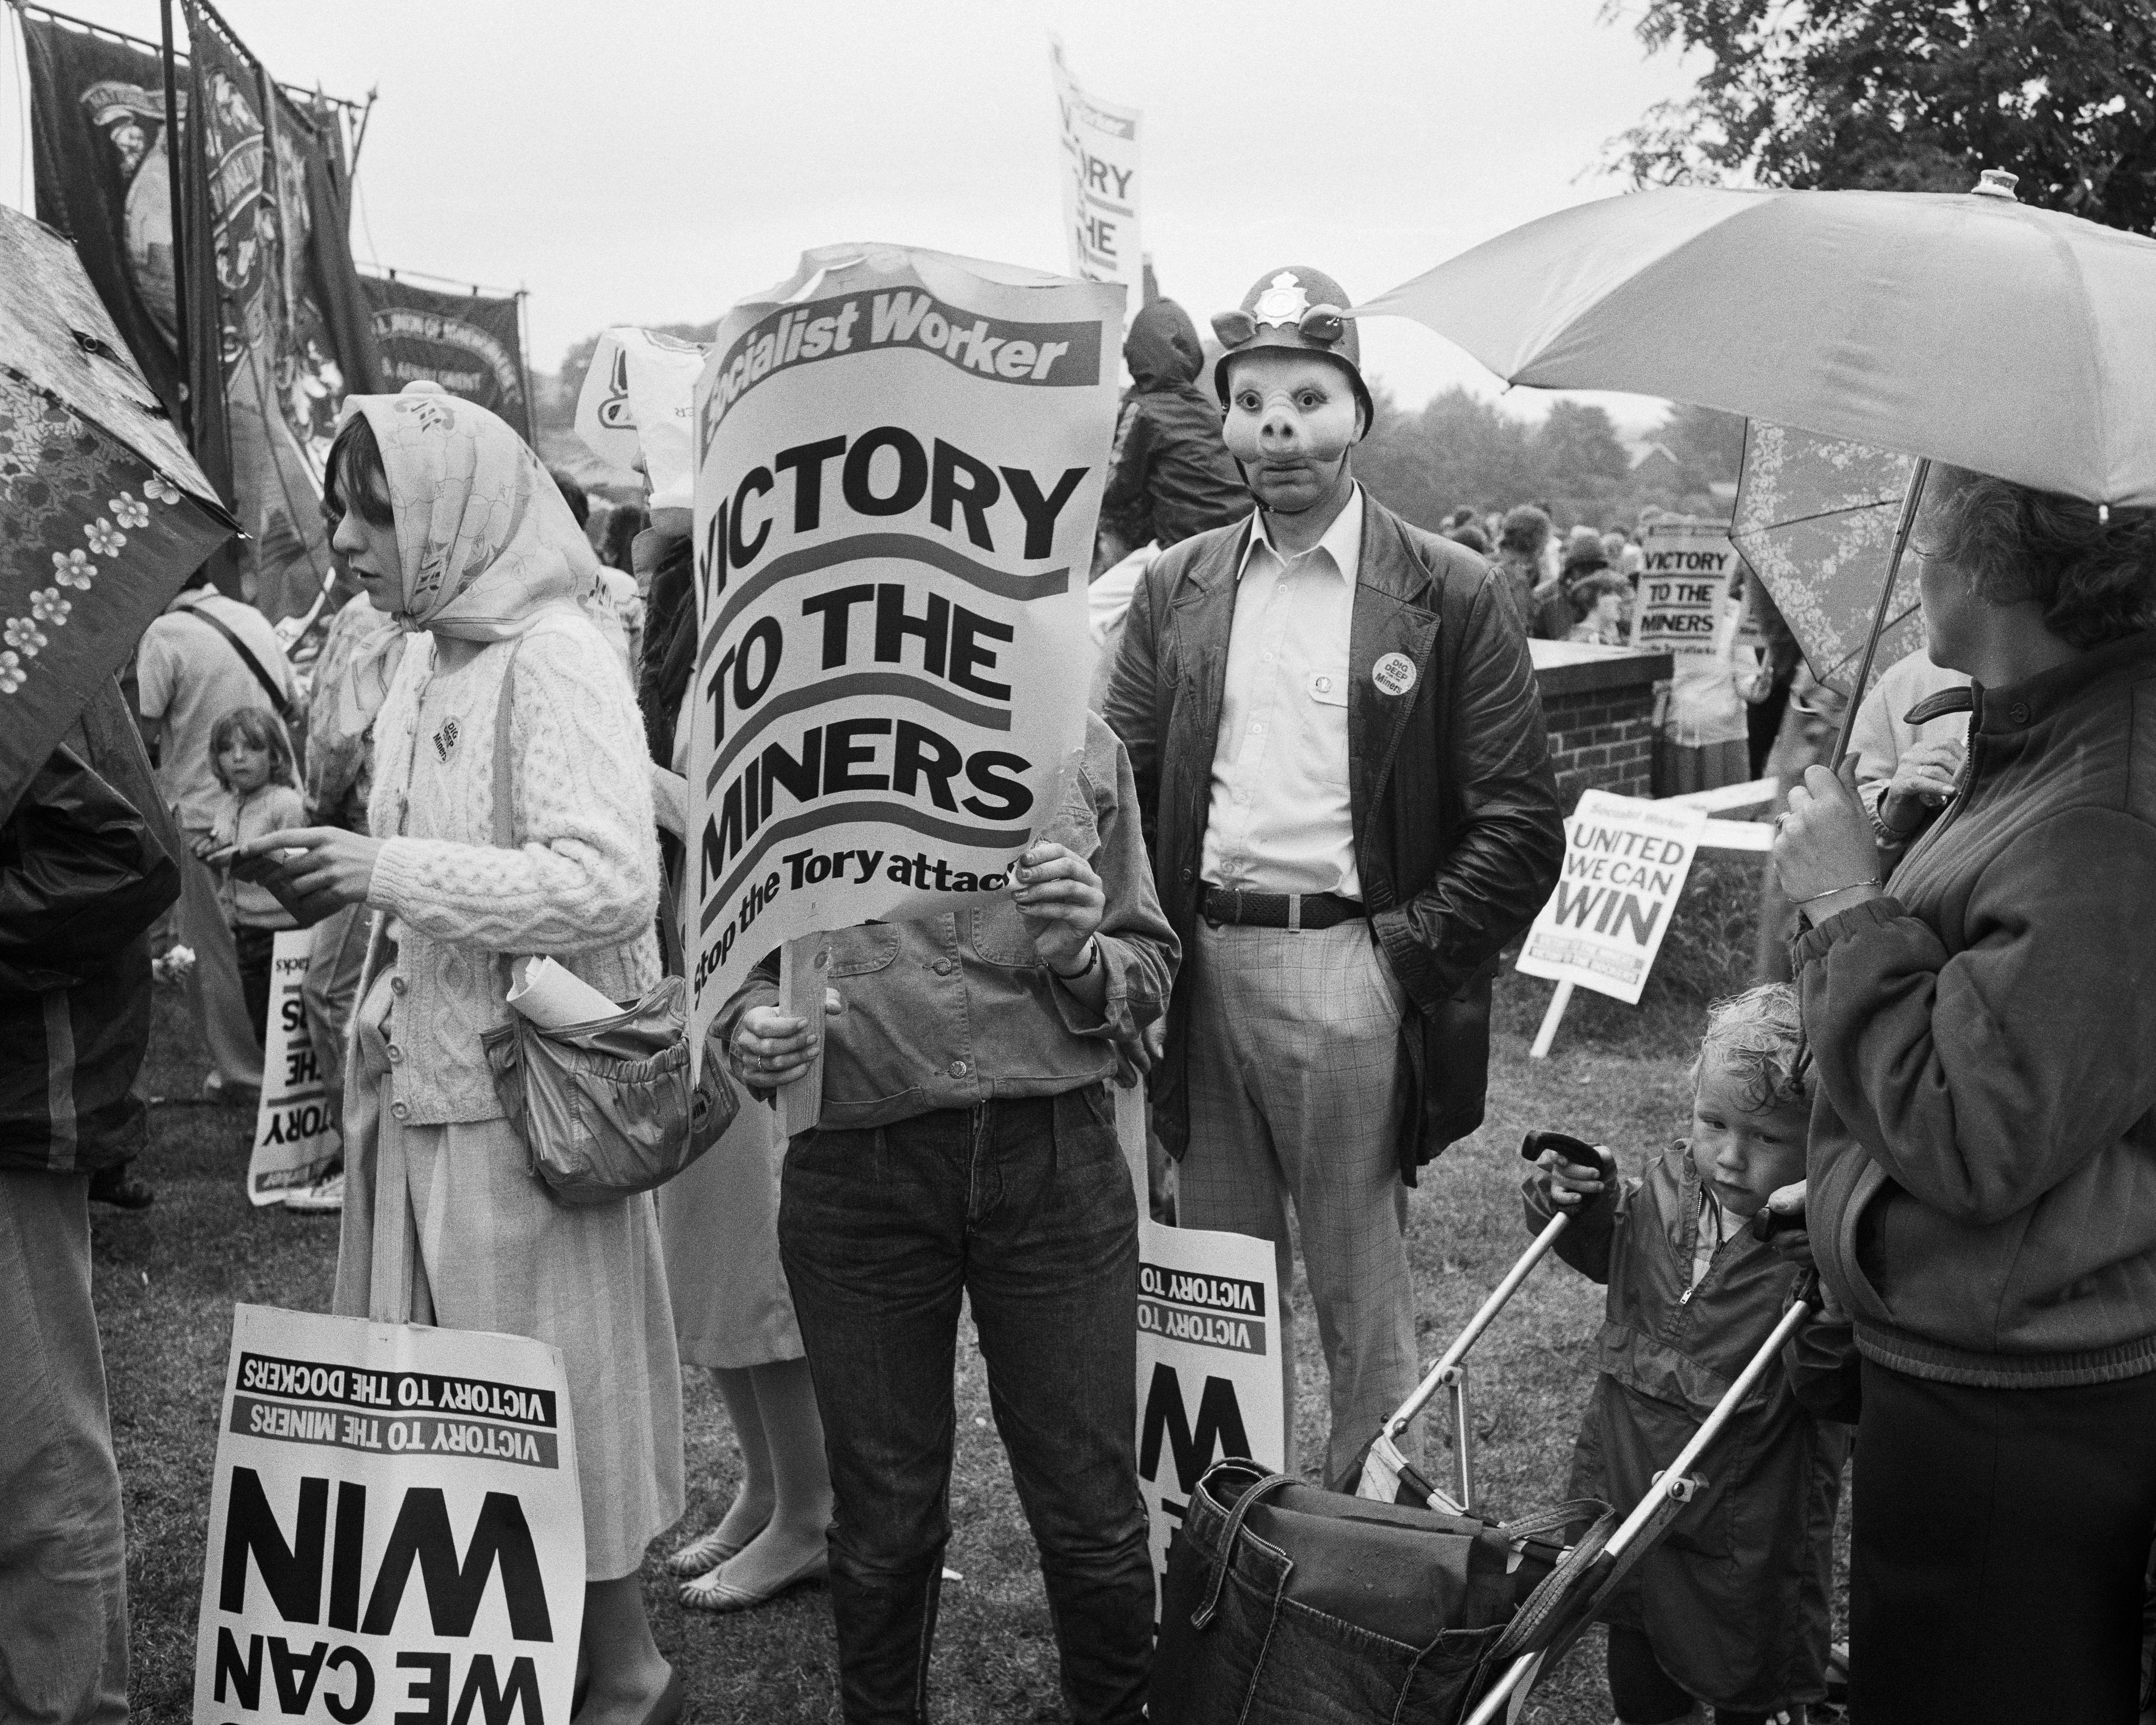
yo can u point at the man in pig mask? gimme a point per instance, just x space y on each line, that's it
1336 730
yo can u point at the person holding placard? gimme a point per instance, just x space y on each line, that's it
447 520
1334 723
967 1148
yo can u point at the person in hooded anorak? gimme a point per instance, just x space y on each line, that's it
446 519
1170 476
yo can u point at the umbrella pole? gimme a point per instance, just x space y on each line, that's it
1910 500
180 343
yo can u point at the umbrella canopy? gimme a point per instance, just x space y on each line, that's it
103 512
1970 329
1815 519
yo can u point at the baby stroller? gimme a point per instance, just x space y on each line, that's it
1283 1603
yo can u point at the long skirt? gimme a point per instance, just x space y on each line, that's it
496 1253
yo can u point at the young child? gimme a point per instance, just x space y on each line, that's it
253 761
1731 1608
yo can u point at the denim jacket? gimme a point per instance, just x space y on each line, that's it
946 1012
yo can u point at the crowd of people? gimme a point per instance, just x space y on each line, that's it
1314 807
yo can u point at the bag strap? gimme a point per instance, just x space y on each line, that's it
279 703
395 1239
505 818
1243 1505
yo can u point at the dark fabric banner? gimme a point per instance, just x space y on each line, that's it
99 142
468 343
273 296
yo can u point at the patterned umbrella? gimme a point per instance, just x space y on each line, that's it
103 512
1815 518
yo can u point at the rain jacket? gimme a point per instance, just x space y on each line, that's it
1170 476
1983 1151
1458 837
88 860
1735 1598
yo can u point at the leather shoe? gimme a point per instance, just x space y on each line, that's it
120 1189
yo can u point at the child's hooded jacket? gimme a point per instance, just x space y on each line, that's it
1735 1598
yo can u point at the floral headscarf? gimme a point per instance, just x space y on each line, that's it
484 538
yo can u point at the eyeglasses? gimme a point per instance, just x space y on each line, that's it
1325 324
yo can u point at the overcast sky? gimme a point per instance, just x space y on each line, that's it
652 161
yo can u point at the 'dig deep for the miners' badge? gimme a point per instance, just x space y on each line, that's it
1393 674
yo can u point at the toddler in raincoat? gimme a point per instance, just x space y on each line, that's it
1732 1608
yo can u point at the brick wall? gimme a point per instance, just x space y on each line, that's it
1599 703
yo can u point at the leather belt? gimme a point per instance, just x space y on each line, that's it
1274 910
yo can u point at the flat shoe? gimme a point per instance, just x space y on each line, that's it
705 1553
707 1592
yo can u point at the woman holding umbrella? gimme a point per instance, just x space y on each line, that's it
1982 1161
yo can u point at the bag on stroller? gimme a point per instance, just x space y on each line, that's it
1285 1603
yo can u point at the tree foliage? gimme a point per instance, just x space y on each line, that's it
1463 450
1917 95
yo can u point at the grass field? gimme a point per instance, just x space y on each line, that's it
166 1280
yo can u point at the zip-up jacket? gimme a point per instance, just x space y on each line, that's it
1735 1598
88 860
1983 1151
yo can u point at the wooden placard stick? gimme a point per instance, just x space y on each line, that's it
1551 1019
804 971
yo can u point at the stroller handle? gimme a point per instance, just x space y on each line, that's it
1610 1564
1484 1315
1531 1148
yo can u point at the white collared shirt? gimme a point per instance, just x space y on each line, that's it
1281 819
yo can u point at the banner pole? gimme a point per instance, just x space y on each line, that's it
1548 1033
524 369
180 343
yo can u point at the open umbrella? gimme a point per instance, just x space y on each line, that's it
1965 327
1815 518
103 512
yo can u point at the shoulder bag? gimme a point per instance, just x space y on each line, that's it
609 1108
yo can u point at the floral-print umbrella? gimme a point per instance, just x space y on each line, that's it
103 512
1816 519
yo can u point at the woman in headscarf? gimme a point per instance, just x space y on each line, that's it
447 521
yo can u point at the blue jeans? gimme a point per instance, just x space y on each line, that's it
1024 1209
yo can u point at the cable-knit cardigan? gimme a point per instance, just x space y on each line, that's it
583 884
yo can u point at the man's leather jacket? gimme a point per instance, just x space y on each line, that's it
1458 837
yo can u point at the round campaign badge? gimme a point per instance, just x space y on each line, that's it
1394 674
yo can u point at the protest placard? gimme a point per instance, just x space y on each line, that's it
1209 1366
395 1529
295 1134
1625 860
1102 183
636 402
1685 609
900 458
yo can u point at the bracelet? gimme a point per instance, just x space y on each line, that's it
1873 880
1093 958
